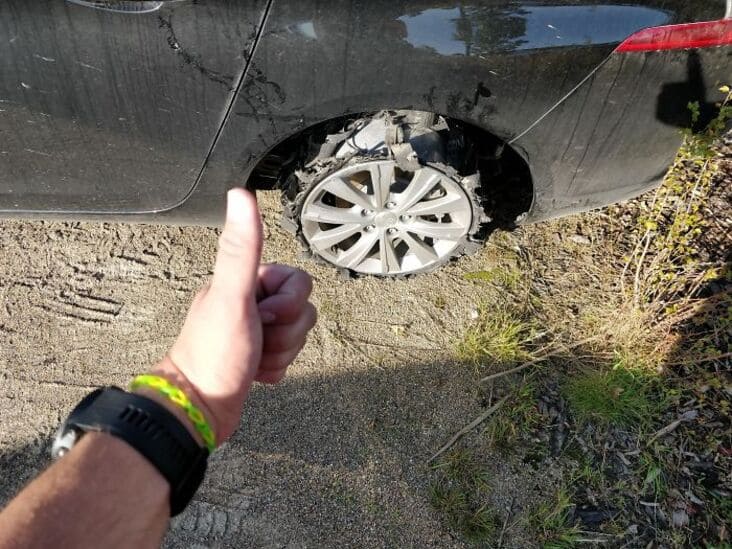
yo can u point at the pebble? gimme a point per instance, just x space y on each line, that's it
679 518
580 239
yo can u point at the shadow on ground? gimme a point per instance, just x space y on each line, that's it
353 446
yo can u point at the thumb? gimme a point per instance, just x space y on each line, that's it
240 247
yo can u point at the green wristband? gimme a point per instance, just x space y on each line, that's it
164 387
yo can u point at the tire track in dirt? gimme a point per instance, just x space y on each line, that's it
83 307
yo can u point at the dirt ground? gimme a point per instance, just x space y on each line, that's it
335 456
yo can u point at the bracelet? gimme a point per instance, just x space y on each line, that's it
164 387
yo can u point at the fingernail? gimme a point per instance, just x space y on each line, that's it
267 317
235 205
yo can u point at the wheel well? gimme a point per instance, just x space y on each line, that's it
506 184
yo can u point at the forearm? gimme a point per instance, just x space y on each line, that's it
102 494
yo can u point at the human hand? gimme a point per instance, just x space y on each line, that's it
247 325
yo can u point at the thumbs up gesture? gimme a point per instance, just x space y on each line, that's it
247 325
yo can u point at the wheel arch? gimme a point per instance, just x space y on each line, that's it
507 187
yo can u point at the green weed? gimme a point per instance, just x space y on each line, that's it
590 475
655 480
498 336
664 266
509 278
622 395
518 416
459 493
551 522
329 308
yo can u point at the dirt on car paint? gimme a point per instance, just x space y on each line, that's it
334 456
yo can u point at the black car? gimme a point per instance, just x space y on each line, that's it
398 131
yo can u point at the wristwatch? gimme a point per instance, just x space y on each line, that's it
146 426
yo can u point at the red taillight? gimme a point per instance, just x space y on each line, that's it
677 37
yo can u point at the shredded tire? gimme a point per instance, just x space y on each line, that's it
322 163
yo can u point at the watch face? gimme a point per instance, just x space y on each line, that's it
65 439
68 435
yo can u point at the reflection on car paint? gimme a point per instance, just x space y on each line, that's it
475 30
306 29
120 6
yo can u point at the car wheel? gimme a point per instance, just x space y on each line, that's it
375 206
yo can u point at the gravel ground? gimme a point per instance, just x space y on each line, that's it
334 456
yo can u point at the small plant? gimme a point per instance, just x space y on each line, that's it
498 336
590 474
518 416
460 492
509 278
619 396
654 481
664 266
551 521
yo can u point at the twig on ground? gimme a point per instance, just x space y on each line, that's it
538 359
685 417
387 346
699 360
505 522
665 431
469 427
593 540
638 270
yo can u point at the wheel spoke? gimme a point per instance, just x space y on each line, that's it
331 237
442 205
343 189
424 253
387 253
422 183
440 231
355 255
382 176
330 214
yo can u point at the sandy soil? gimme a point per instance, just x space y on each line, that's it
335 456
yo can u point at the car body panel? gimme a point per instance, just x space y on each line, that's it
615 136
507 66
114 112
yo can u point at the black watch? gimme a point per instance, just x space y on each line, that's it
146 426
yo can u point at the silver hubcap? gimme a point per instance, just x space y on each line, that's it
374 218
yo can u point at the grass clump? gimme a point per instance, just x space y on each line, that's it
552 522
520 415
654 480
622 395
498 336
459 493
509 278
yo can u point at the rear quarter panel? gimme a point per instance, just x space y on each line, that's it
617 134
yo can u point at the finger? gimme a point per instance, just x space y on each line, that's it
288 336
271 377
282 279
273 367
288 298
273 276
240 248
272 362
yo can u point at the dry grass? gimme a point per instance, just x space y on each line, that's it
657 301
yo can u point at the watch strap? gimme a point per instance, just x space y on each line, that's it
152 430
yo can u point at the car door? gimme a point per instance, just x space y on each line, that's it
114 106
